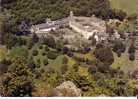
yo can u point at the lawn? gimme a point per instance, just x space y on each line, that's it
129 6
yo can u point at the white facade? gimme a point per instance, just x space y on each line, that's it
40 31
84 32
86 26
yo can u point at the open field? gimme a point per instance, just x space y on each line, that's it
3 52
129 6
124 63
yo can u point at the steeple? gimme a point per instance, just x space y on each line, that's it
71 15
48 20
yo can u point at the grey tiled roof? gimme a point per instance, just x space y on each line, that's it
53 23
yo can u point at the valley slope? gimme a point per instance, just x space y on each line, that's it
129 6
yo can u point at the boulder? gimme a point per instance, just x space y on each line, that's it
67 88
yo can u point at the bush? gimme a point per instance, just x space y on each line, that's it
118 14
30 44
45 61
40 47
119 47
102 67
50 41
119 54
75 67
38 63
131 49
132 56
46 48
64 69
43 54
35 52
4 64
65 60
59 45
105 55
35 38
70 54
65 50
31 64
52 55
92 69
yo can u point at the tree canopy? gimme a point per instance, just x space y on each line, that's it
36 11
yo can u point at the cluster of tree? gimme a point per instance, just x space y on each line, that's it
20 75
30 12
131 52
119 47
4 27
104 54
17 79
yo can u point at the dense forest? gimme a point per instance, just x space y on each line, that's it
36 11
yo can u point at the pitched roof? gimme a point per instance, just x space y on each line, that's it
53 23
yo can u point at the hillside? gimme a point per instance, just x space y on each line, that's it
36 11
129 6
90 54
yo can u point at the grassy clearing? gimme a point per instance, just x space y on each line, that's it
18 51
57 63
83 71
129 6
3 52
124 63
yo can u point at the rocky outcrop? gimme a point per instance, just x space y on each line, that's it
67 89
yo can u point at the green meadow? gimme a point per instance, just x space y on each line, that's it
129 6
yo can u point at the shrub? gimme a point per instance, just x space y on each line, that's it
119 47
64 69
65 60
132 56
52 55
75 67
40 47
46 48
59 45
4 64
45 61
35 52
35 38
131 49
31 64
38 63
43 54
50 41
105 55
102 67
65 50
30 44
70 54
119 54
21 84
92 69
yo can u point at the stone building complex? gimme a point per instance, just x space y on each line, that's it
86 26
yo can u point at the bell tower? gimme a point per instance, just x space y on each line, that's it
71 15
